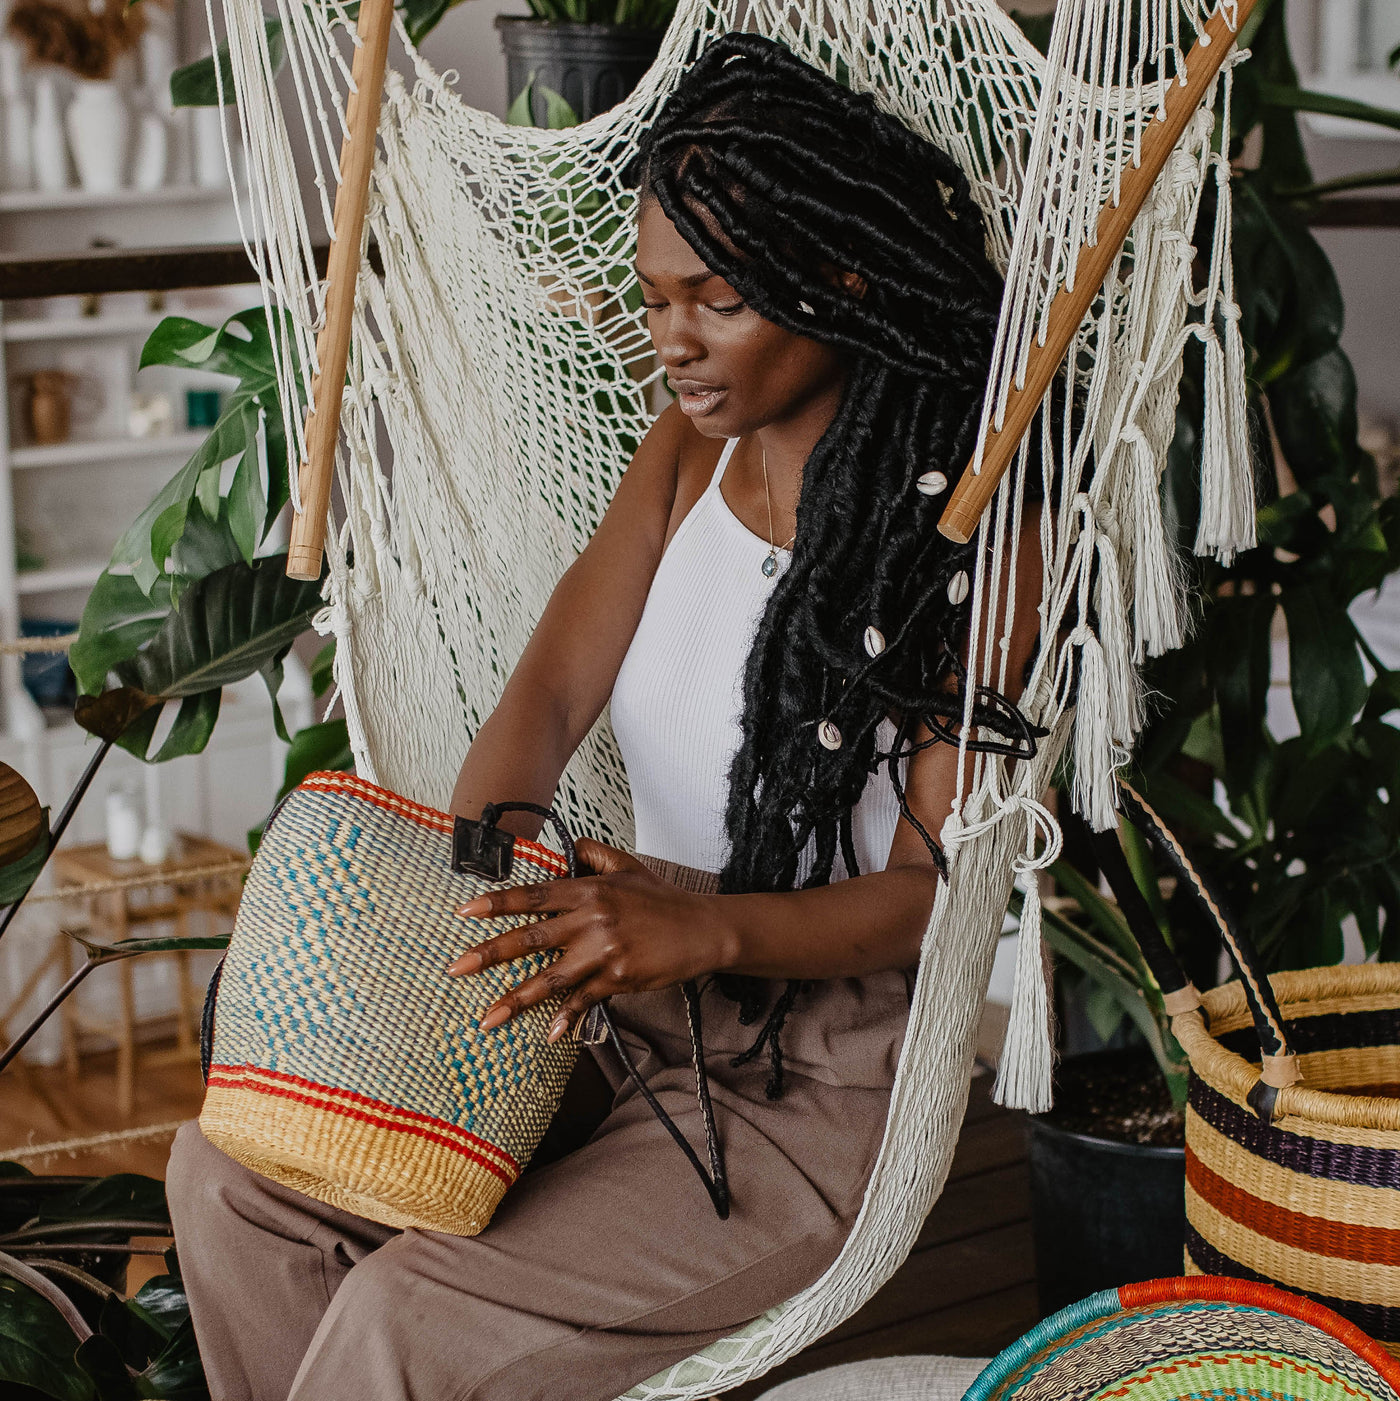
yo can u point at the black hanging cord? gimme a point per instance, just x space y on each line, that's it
716 1180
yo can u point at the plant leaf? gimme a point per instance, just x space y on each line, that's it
322 670
1328 683
229 626
20 874
118 619
197 84
37 1346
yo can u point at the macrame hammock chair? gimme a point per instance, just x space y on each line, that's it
496 365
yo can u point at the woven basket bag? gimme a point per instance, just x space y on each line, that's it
339 1057
1293 1116
1310 1200
1188 1340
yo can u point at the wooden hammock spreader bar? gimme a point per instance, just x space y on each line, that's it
305 553
975 490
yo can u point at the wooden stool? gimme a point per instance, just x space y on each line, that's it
177 888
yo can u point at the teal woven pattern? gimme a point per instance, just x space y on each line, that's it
335 975
1174 1349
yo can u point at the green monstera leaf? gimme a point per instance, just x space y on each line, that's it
237 621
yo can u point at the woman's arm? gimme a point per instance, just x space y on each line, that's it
627 930
566 672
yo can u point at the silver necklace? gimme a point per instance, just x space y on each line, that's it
770 563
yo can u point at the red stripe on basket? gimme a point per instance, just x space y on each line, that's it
327 781
1337 1240
1218 1289
359 1115
470 1142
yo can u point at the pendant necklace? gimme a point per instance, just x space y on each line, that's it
770 564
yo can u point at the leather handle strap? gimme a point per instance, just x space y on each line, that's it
716 1180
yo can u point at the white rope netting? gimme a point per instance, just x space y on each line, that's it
500 378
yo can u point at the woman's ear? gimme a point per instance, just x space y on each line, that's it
853 283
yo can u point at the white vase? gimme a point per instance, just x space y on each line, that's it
210 167
150 159
99 130
18 153
48 147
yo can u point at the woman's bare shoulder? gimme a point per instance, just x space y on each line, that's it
674 448
677 458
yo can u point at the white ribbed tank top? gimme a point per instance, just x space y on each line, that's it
678 696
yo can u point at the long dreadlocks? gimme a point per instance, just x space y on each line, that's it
781 179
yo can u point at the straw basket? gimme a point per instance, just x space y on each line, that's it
343 1061
1189 1339
1309 1200
1293 1114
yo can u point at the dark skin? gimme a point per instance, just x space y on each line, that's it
625 929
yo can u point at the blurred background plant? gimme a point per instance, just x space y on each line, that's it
1300 831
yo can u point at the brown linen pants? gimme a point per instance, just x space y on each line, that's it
596 1271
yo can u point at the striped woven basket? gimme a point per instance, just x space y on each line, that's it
1293 1115
1187 1340
343 1061
1310 1200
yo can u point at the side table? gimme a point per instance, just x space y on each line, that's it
200 878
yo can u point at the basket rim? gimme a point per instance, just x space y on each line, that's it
1183 1289
1230 1072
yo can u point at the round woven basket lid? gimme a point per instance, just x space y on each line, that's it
1196 1337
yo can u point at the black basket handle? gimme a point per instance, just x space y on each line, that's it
1279 1064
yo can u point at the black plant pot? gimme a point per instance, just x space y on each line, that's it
592 66
1103 1212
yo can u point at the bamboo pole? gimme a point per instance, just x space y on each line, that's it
304 555
975 489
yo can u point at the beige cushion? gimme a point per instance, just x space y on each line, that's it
885 1379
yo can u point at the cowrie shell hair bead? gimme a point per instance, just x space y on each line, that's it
808 308
958 586
829 735
932 484
874 642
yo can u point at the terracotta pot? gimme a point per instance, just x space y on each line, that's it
50 401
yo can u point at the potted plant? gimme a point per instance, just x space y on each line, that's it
1298 833
1117 1118
592 52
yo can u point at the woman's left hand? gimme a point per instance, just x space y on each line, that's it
622 929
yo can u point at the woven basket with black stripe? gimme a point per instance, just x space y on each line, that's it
1309 1200
1293 1117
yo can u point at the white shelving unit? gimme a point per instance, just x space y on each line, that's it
37 201
63 505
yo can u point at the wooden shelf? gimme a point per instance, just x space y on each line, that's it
108 450
70 576
57 328
36 201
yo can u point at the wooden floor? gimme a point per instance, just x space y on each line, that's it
967 1289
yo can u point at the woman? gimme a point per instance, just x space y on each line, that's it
767 588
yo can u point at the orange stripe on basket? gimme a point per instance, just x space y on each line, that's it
349 1105
325 781
377 1106
1218 1289
374 1120
1371 1245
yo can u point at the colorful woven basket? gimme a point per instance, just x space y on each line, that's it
1310 1200
1293 1120
1188 1340
344 1062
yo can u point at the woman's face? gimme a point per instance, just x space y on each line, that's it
733 371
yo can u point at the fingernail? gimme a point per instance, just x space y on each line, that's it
494 1018
473 907
557 1028
468 963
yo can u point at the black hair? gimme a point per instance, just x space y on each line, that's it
781 179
